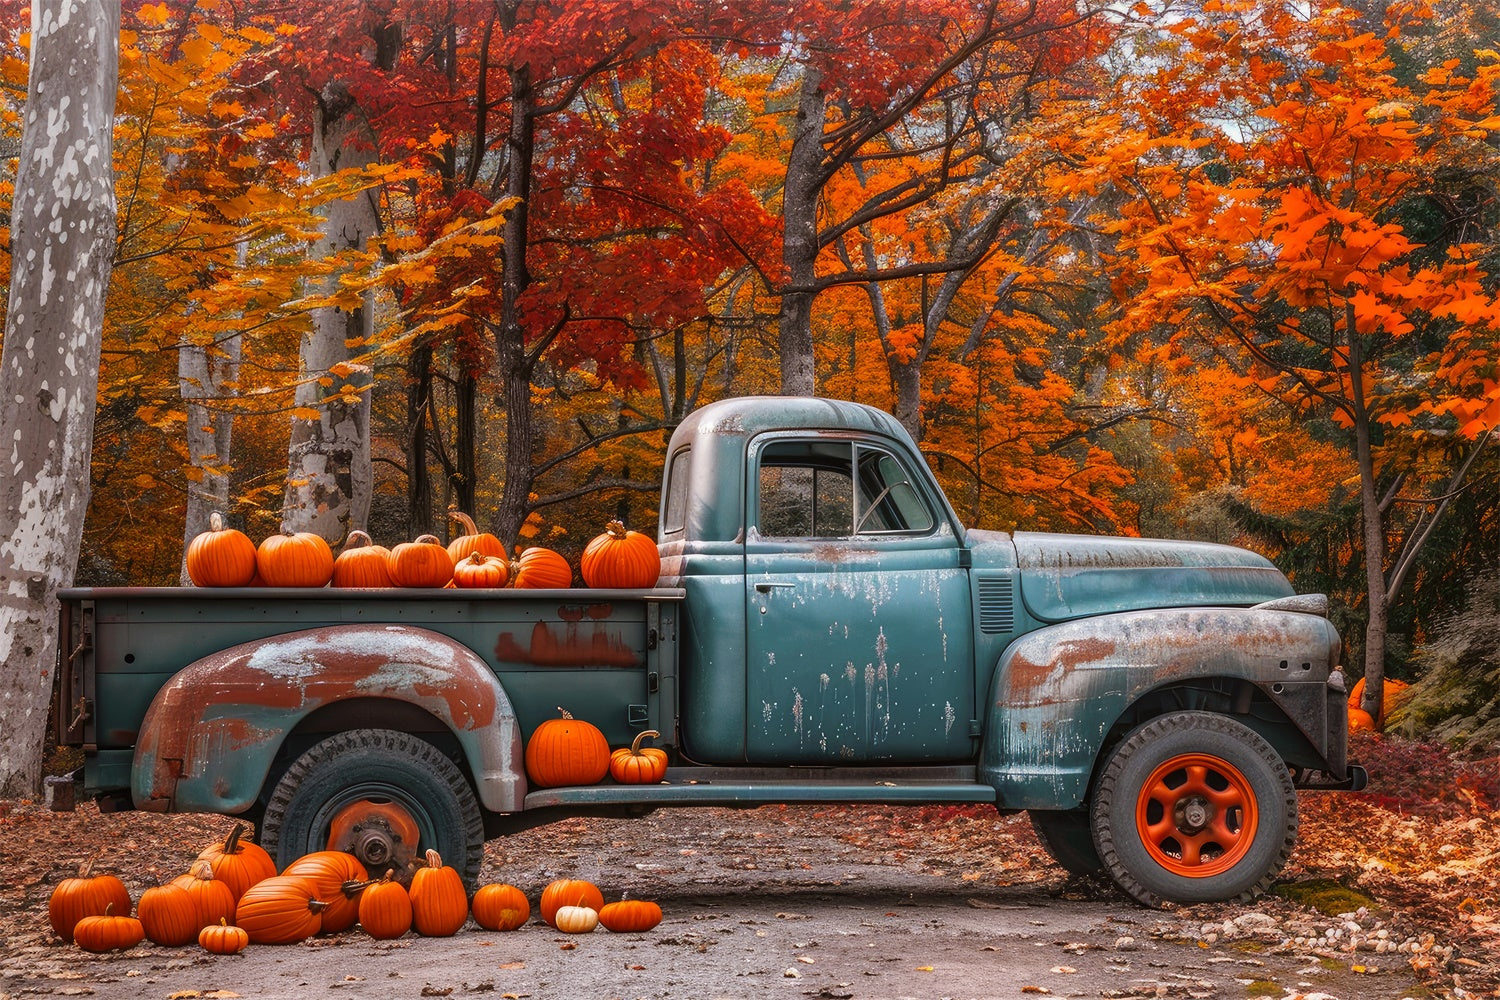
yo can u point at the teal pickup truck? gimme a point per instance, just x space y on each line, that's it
824 630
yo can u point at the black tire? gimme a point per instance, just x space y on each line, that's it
376 765
1232 820
1068 836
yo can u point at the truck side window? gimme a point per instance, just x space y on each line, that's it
674 514
835 489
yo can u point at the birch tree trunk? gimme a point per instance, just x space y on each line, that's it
63 235
799 240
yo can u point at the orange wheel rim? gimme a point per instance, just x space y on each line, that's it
1196 815
379 833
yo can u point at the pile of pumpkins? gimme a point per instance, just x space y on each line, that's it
232 896
226 557
1394 694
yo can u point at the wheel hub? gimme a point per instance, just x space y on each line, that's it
381 834
1193 814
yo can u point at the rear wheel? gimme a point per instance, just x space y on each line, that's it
1194 807
384 796
1068 836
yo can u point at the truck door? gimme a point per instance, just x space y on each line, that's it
859 646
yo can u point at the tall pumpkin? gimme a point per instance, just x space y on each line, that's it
439 904
472 540
620 558
537 568
385 908
362 563
566 751
168 915
422 563
294 559
221 556
213 900
87 895
340 878
238 863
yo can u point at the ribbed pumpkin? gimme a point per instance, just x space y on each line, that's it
107 932
575 919
362 563
630 916
478 571
385 908
439 904
472 540
500 907
422 563
87 895
168 915
212 899
540 569
223 939
280 910
340 878
238 863
294 559
567 751
221 556
569 892
636 765
621 559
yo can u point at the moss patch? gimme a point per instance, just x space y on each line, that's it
1328 896
1265 988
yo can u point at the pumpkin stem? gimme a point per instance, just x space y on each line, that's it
316 905
565 713
616 528
232 842
357 540
635 745
434 859
216 521
477 558
88 864
464 521
427 540
353 887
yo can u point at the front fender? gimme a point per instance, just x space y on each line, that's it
212 732
1058 691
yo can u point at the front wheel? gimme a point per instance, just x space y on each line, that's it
1194 807
384 796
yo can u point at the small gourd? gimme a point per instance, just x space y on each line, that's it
569 892
576 919
223 938
636 765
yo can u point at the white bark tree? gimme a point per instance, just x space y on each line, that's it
62 241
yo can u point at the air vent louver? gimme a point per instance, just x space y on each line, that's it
997 612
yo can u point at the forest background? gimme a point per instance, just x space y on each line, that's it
1218 270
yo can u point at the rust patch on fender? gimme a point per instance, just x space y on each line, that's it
577 646
1040 683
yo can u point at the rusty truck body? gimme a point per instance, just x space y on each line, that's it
824 630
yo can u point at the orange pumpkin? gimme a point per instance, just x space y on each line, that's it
213 900
540 569
168 915
567 751
630 916
500 907
107 932
294 559
620 559
479 571
637 766
85 896
238 863
223 939
280 910
439 904
340 878
1360 721
472 540
422 563
569 892
385 908
221 556
362 563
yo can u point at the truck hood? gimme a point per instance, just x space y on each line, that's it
1073 576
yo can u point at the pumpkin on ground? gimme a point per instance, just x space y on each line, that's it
385 908
212 899
636 765
537 568
576 919
477 571
168 915
500 907
294 559
362 563
569 892
87 895
107 932
422 563
340 878
283 909
223 939
237 862
1360 721
221 556
566 751
472 540
630 916
620 559
439 904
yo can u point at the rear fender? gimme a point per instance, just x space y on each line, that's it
210 737
1058 692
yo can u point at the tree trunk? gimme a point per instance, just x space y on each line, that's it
799 245
418 482
63 235
329 475
1373 519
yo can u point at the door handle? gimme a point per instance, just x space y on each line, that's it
765 587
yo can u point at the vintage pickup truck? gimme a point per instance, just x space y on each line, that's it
824 630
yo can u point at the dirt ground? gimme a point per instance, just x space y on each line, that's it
779 901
